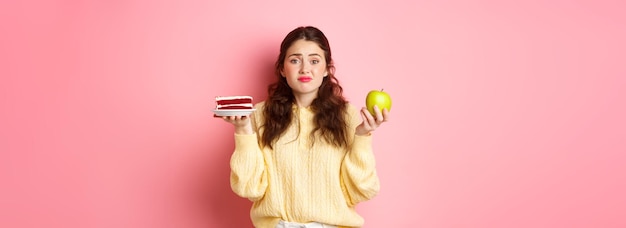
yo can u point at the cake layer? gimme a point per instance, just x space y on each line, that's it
233 102
238 106
238 101
224 100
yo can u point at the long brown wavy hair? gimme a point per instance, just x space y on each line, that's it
329 106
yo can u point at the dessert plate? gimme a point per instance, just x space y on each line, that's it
233 112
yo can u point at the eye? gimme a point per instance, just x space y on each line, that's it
315 61
294 61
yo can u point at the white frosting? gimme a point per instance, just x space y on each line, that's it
220 98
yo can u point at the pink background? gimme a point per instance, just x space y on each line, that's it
505 114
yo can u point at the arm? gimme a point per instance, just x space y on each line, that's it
358 171
248 178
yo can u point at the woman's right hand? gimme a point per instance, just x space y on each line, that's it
242 123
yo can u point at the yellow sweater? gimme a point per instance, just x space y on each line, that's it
300 182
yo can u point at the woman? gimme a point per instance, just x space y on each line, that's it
304 157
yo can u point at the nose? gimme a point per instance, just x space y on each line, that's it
305 68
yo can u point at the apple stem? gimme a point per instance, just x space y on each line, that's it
382 90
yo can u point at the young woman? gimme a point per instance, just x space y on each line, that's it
304 157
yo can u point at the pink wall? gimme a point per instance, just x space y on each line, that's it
505 115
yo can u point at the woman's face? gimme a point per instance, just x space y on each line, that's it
304 67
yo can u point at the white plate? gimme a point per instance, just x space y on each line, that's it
233 112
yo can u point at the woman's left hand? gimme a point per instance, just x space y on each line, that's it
370 123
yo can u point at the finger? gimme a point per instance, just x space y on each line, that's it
385 115
373 122
367 114
226 119
370 121
241 119
379 115
366 120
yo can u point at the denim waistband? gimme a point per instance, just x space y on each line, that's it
284 224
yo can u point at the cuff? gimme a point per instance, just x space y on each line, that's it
362 142
246 142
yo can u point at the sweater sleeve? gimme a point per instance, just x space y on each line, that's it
248 177
358 170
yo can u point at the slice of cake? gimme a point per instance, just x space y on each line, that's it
233 102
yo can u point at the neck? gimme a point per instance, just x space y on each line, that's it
305 100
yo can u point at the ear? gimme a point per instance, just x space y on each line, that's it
282 73
326 73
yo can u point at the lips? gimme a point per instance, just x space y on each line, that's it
305 79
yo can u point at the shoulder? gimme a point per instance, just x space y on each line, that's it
258 110
350 106
257 114
353 113
260 105
352 109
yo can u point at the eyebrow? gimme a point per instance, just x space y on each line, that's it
297 54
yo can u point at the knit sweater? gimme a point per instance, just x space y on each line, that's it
304 181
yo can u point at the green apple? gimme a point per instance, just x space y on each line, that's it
378 98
